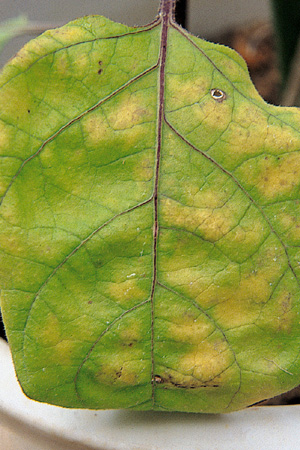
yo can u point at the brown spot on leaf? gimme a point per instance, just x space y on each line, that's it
119 373
184 384
128 344
100 70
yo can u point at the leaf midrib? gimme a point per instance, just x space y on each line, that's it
166 15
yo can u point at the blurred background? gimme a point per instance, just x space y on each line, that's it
264 32
205 18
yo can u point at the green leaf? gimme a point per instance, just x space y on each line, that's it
150 222
11 28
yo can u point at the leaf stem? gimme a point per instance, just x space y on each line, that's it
167 8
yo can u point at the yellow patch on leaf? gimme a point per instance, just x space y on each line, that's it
208 360
278 177
130 112
211 224
190 330
127 291
96 128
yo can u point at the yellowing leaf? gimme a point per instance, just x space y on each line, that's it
149 222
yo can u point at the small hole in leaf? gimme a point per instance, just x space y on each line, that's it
218 95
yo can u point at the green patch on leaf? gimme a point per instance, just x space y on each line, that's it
149 222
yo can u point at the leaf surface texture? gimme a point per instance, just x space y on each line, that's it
149 222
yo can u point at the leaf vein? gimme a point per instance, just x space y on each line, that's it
71 122
235 180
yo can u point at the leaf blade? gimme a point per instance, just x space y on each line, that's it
157 221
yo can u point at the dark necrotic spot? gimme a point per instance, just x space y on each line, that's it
100 70
119 373
170 381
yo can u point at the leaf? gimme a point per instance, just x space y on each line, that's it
149 222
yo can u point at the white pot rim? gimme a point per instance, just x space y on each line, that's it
277 427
